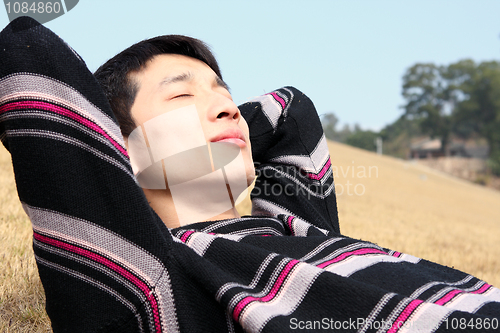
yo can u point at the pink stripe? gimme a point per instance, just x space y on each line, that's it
446 298
482 289
348 254
404 315
186 235
396 254
279 99
110 264
322 172
274 290
62 111
290 219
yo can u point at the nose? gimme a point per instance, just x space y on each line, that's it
223 108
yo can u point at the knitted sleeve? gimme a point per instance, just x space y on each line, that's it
101 251
292 161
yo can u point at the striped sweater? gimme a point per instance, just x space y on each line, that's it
109 264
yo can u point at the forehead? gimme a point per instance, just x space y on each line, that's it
164 66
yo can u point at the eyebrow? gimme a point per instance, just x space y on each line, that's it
221 83
187 77
177 78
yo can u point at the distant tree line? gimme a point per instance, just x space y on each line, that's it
459 100
354 136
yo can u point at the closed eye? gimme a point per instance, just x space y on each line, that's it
182 95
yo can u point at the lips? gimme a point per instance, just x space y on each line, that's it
231 135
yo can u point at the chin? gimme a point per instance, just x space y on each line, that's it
250 171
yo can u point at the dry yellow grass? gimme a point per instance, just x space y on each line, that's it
21 293
413 209
397 204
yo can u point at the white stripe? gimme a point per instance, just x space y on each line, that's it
271 108
409 258
200 242
313 163
354 264
473 302
268 208
426 319
257 314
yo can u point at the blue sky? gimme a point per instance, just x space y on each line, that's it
347 56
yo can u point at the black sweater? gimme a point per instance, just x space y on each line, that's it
109 264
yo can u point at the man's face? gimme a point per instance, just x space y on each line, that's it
171 81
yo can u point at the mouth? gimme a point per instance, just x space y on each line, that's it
234 136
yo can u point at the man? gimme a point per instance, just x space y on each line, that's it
109 263
166 83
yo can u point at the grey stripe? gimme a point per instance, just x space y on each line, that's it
434 298
130 286
269 284
256 230
376 310
425 319
396 311
257 314
24 83
350 247
62 120
299 183
96 284
224 223
429 285
103 241
270 107
320 248
310 163
222 290
72 141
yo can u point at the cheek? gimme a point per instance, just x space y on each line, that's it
244 127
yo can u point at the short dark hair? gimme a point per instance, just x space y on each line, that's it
117 85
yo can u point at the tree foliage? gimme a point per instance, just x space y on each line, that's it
354 136
462 98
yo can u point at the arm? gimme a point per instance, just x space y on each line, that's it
291 158
100 249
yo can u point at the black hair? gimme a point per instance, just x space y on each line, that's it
121 90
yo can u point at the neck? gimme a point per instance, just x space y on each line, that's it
191 211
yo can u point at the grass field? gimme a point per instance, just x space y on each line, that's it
394 203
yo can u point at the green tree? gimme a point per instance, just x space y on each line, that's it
428 100
460 99
329 122
479 110
398 135
363 139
